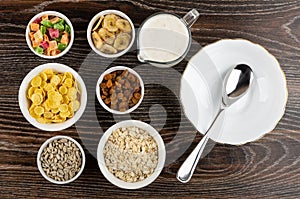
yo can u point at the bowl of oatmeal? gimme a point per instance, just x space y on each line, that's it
131 154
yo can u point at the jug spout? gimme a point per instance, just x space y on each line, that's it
140 58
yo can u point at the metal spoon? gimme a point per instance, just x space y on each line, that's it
235 85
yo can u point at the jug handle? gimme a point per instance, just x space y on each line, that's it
191 17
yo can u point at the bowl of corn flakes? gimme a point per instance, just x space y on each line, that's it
49 34
52 97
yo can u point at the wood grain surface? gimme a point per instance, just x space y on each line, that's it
267 168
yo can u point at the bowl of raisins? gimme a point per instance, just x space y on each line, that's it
120 90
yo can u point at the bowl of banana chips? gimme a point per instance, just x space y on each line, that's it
111 33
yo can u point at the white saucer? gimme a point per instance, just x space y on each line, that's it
254 115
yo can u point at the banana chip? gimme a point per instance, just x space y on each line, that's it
123 25
122 41
107 36
98 24
108 49
53 97
97 40
109 22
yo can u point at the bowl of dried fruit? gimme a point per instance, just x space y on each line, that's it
111 33
120 90
49 34
131 154
52 97
61 159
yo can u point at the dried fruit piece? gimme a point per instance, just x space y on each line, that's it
65 39
137 95
34 27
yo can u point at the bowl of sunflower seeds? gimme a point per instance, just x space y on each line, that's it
61 159
111 33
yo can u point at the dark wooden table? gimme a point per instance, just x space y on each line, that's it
267 168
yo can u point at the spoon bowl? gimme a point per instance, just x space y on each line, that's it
236 84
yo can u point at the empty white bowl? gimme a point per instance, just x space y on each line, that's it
161 155
110 70
51 13
95 20
40 165
24 103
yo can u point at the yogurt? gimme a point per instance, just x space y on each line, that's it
163 38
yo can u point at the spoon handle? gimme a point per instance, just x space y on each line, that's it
187 169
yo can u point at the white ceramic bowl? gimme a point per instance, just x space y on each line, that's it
40 165
95 20
161 155
24 103
112 70
252 116
53 13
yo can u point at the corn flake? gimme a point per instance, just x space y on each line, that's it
41 120
55 80
36 81
36 98
68 82
39 110
63 90
55 110
63 108
30 92
64 114
44 76
49 87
